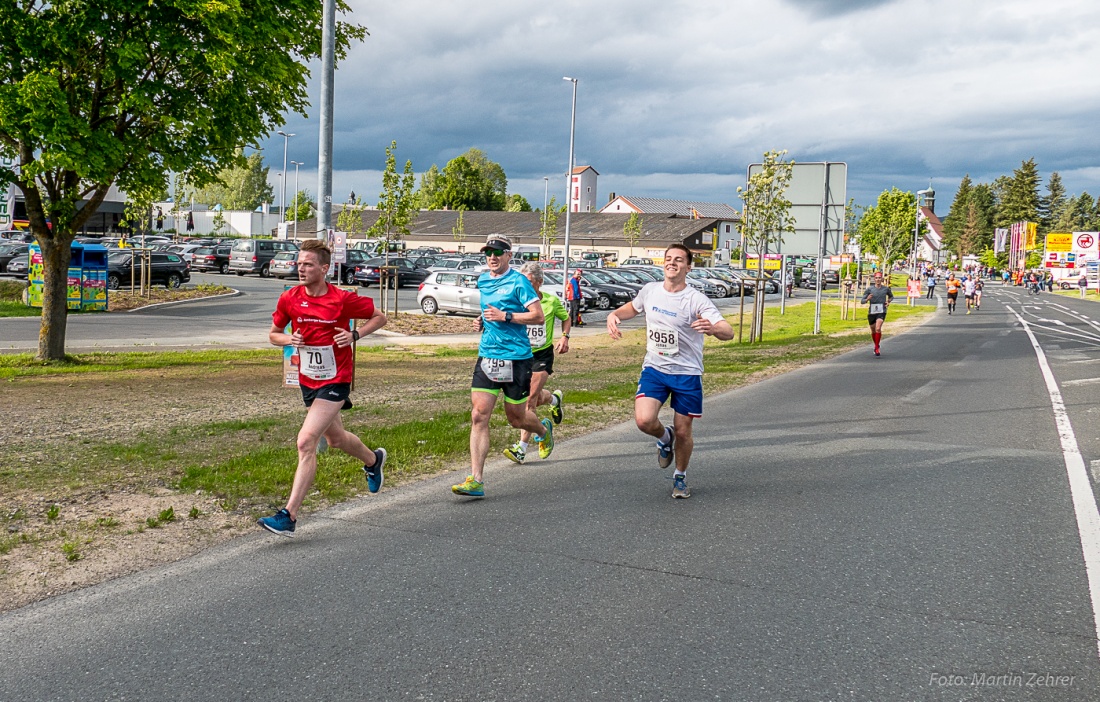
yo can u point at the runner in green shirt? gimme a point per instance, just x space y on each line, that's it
541 337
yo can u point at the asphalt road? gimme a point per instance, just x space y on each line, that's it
894 528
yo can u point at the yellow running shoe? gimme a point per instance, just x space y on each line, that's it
471 487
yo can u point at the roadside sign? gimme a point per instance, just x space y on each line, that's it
339 246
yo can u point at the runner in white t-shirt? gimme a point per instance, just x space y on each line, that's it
677 318
968 290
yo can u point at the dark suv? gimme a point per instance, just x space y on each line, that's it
211 258
254 255
167 269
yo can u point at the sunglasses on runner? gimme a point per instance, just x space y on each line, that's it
495 252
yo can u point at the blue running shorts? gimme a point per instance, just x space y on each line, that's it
686 390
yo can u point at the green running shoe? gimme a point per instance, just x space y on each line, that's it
515 454
556 410
471 487
546 443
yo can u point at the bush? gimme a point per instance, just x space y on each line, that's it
12 290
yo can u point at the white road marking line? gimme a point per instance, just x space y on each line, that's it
1082 381
1080 487
924 391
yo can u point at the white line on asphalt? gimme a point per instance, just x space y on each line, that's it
924 391
1080 487
1082 381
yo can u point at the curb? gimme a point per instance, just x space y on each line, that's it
235 293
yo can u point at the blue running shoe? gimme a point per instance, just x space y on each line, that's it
374 473
665 451
279 523
679 486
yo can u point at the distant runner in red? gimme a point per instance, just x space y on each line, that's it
320 316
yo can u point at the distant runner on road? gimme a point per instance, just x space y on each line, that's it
952 286
877 298
677 318
508 304
542 361
319 315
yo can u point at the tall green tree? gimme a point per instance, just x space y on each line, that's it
396 204
955 221
550 222
517 203
302 206
431 182
239 186
350 219
1019 196
470 181
1051 204
764 220
95 93
887 229
632 230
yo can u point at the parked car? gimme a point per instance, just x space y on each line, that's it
408 273
16 236
606 295
254 255
733 282
809 278
451 292
10 251
635 261
167 269
456 263
186 251
284 265
724 287
20 265
616 277
211 258
353 259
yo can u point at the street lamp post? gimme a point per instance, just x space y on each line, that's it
282 199
569 182
545 204
916 228
296 191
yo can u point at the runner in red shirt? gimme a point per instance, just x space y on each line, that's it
320 316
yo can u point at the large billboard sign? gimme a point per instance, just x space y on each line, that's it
817 193
1071 249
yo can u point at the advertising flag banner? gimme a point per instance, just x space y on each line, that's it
1032 230
1000 237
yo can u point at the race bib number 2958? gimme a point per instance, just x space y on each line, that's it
662 340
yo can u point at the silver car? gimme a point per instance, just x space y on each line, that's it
452 292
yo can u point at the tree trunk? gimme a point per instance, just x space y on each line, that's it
56 251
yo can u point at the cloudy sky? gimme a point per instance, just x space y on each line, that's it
675 99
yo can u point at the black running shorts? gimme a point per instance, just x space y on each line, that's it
336 392
515 391
543 360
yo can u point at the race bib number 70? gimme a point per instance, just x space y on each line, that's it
317 362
